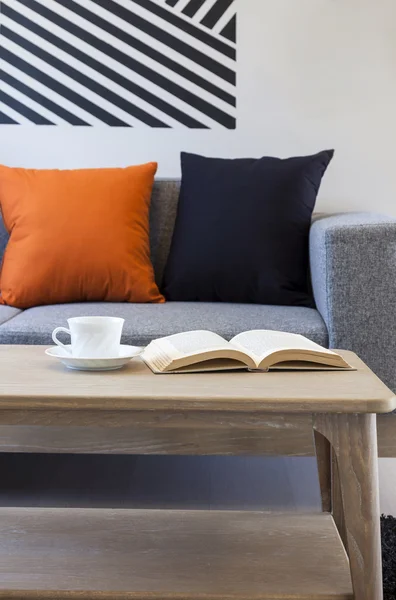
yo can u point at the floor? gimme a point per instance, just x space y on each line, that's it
170 481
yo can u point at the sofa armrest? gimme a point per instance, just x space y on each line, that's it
353 270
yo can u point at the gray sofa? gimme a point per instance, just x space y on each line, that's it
353 260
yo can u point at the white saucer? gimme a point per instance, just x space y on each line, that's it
95 364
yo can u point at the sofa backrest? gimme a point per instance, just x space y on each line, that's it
163 211
162 221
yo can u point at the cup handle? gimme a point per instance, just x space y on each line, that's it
57 342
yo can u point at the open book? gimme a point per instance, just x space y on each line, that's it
195 351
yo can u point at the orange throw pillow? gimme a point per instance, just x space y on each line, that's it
77 236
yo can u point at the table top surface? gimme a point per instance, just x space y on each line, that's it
30 380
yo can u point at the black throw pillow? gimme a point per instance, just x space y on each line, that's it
241 233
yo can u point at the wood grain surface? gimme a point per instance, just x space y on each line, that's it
170 554
337 505
266 435
32 381
354 441
386 434
329 483
323 460
194 434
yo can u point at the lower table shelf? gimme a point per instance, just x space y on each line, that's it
159 554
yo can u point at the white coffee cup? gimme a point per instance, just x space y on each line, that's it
92 337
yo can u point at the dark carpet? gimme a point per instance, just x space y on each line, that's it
388 531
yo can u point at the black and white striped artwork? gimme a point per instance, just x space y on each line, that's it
120 63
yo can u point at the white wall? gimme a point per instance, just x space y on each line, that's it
311 74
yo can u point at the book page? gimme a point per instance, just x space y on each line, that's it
261 343
183 349
193 342
160 354
214 364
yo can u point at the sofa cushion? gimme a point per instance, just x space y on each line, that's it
163 209
77 235
7 313
242 228
145 322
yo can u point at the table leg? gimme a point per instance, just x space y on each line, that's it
329 482
323 460
337 507
353 439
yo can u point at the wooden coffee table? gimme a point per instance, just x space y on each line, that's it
103 554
